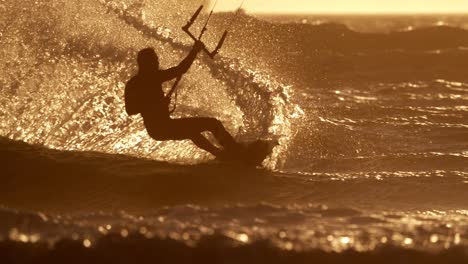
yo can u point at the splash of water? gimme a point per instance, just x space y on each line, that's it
65 64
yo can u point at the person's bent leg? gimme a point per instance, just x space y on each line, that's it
202 142
198 139
186 128
219 132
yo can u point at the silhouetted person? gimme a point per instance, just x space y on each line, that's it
144 95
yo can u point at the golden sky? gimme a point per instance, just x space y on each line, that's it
346 6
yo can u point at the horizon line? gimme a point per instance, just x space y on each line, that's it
351 13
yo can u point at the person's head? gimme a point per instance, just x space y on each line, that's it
147 60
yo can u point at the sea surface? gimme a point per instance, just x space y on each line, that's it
371 113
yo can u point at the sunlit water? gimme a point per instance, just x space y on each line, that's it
374 140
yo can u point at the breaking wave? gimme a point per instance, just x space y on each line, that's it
66 63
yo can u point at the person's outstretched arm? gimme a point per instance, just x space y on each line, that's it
184 66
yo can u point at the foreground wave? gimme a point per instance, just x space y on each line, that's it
41 179
60 203
216 249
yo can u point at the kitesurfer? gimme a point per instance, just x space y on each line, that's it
144 95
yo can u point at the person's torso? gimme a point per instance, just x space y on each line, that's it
151 96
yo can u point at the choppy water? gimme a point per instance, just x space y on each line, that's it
373 130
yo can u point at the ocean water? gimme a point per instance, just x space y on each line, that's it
371 114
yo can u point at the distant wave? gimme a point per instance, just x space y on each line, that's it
339 37
305 54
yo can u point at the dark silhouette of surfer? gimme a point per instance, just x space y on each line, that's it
144 95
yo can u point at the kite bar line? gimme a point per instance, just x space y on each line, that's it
211 54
